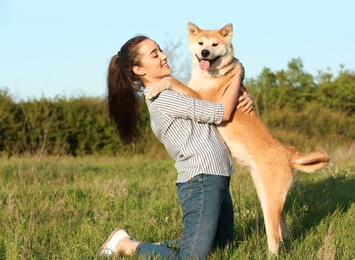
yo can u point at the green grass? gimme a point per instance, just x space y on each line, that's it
64 208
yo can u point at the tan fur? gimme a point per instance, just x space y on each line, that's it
247 137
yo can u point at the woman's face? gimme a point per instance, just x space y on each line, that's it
154 63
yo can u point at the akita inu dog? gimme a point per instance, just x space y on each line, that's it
247 137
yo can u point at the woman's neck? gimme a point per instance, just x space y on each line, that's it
150 82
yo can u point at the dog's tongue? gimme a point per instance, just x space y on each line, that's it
204 64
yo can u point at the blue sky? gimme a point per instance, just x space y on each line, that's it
62 48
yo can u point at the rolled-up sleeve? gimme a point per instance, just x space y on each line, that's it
183 106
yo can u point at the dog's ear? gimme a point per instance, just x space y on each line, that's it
192 29
227 30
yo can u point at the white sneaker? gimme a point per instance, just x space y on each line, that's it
109 247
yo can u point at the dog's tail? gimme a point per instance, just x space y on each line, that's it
310 162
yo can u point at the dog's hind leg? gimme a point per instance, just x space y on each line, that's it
272 190
284 229
272 215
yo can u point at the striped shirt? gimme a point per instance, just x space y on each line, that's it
186 127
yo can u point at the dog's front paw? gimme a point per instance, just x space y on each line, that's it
153 91
158 87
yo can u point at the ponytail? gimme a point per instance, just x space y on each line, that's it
123 88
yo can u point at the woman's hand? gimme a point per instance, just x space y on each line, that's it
245 102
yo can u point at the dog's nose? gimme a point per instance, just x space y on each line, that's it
205 53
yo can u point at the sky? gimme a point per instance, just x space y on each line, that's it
57 48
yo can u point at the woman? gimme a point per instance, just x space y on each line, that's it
186 127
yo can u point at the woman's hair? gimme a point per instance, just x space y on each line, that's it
123 87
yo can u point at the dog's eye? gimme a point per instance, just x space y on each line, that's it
200 43
215 45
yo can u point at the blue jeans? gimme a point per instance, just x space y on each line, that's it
208 220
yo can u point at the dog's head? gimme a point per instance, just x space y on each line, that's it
210 49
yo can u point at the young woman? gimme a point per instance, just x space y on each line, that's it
186 127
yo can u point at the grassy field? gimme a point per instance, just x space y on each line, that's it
64 208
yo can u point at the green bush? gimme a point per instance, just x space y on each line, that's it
299 109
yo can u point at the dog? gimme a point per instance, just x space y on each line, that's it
250 142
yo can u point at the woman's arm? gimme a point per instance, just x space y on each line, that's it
231 96
177 105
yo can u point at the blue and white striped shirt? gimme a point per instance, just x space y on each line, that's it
186 127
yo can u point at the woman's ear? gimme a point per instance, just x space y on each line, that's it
138 70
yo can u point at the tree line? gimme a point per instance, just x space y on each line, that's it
300 109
